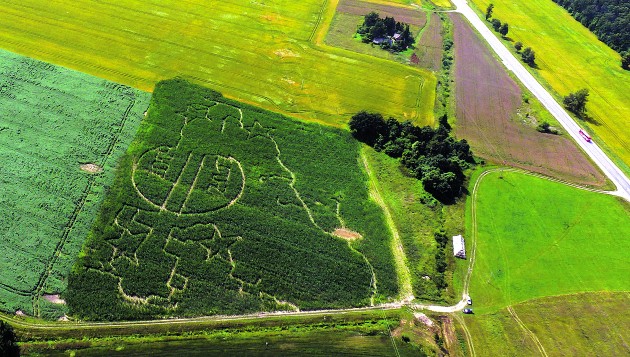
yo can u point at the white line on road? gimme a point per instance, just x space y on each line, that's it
513 64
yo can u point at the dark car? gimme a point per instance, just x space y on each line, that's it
468 311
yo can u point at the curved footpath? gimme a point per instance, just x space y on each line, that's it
596 154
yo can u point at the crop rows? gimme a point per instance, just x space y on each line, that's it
53 121
268 58
224 208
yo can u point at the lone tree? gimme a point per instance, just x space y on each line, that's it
529 56
8 344
625 60
503 30
496 24
576 102
518 46
489 11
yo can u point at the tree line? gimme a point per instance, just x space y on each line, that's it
527 55
431 155
387 32
609 20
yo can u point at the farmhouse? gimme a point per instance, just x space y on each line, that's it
459 249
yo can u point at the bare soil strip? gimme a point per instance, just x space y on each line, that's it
346 234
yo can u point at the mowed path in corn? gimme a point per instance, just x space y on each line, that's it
261 53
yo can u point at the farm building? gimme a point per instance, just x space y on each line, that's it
459 249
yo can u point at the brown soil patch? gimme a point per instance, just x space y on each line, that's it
423 318
284 53
429 48
91 168
55 299
448 331
346 234
406 15
487 103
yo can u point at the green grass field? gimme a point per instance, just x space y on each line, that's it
223 208
53 121
267 54
538 238
587 324
415 221
570 57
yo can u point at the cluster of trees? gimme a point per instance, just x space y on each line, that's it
431 155
546 128
608 19
387 32
8 341
527 55
576 102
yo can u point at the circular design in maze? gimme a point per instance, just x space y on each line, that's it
187 182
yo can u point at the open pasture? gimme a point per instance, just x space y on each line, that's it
487 103
54 123
263 53
538 238
222 208
586 324
569 58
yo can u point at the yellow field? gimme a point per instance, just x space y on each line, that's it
265 53
570 57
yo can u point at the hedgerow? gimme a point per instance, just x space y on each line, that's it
223 208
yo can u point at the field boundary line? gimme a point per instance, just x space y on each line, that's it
529 332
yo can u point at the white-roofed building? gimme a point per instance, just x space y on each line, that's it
459 248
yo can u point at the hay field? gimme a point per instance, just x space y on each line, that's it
265 54
538 238
570 57
54 124
586 324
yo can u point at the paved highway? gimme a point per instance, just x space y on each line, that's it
609 168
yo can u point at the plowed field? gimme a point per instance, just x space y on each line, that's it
487 102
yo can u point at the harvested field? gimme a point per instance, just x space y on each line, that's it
487 102
407 15
429 48
584 324
265 53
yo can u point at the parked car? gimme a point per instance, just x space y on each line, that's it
468 311
469 301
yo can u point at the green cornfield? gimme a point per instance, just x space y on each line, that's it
223 208
54 122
